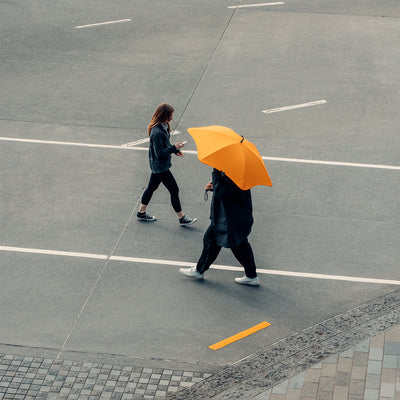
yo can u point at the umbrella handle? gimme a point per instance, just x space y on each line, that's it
206 194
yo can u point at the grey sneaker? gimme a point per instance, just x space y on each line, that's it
248 281
145 217
186 220
192 273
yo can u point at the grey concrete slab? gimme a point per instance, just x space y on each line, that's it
104 77
273 59
58 198
178 318
42 296
342 7
70 133
325 191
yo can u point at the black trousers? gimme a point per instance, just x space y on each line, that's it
168 180
243 253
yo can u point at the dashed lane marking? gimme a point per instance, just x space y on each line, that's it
145 140
191 264
258 5
104 23
293 107
240 335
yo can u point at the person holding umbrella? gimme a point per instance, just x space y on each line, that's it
231 222
237 167
160 150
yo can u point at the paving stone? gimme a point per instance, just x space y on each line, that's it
392 348
343 378
373 381
297 381
371 394
357 387
328 369
374 367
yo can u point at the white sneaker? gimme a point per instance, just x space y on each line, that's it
248 281
192 273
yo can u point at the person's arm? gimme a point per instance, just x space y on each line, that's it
161 148
178 146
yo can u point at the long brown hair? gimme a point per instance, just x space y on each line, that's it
161 116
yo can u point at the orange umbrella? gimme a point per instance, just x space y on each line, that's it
225 150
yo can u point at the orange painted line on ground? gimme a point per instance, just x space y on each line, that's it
240 335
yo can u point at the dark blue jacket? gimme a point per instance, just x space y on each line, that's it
231 211
160 149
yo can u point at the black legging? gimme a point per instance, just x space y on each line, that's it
243 253
169 182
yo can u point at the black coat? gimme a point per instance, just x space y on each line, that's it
160 149
231 211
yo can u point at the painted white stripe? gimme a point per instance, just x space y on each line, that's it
136 142
328 277
338 163
257 5
191 264
53 252
100 146
152 261
104 23
145 140
310 104
126 147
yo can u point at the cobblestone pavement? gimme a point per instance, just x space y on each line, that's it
354 356
38 378
368 371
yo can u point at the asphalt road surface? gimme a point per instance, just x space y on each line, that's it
313 84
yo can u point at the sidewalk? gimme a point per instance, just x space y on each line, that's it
368 371
352 356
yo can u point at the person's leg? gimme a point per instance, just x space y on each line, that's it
169 182
207 257
244 254
146 197
210 251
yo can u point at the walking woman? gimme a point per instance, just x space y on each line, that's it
160 151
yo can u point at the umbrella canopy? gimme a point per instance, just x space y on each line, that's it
222 148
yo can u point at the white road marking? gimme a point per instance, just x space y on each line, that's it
129 147
338 163
191 264
126 147
136 142
101 146
257 5
286 108
104 23
145 140
53 252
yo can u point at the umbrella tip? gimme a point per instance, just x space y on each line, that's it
242 138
